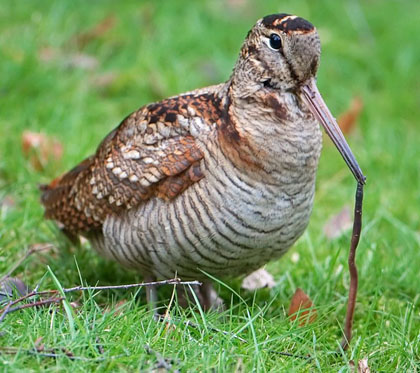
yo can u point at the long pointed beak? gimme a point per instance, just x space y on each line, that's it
319 109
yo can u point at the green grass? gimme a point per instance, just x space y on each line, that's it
157 49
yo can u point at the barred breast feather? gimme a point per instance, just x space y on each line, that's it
182 186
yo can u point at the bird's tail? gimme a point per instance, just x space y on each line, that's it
58 197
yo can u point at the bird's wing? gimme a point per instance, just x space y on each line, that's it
151 153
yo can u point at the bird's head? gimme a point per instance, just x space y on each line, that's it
281 54
281 51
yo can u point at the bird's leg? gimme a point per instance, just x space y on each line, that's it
206 296
151 296
209 298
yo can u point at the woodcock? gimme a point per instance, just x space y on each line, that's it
220 179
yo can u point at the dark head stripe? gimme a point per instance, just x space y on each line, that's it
287 23
273 19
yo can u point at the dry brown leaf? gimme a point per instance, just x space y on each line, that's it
39 346
338 223
362 366
12 286
348 120
118 309
83 240
82 61
7 202
170 326
39 149
104 80
95 32
48 54
75 305
257 280
302 308
240 367
70 60
236 3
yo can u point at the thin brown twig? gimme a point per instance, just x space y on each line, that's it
35 292
52 353
7 309
351 304
21 299
32 250
40 303
173 281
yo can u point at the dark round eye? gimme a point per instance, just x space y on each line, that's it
275 41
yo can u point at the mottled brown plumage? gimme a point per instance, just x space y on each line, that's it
149 154
220 179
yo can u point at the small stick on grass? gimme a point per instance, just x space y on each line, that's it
173 281
32 250
351 304
40 303
8 307
52 353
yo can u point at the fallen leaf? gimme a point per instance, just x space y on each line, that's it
240 368
169 325
95 32
338 224
104 80
257 280
236 3
7 202
295 257
75 305
12 286
39 149
362 366
83 240
48 54
118 309
302 308
39 346
348 120
70 60
82 61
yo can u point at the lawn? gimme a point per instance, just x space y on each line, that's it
73 69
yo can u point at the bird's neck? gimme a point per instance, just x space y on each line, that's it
269 130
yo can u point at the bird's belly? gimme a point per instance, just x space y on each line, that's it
225 228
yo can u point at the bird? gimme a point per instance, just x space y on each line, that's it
216 181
